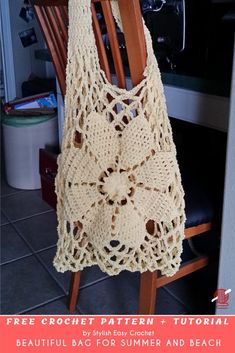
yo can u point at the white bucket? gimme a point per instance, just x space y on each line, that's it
21 151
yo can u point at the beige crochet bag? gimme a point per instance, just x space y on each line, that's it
123 177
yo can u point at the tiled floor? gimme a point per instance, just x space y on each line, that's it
30 284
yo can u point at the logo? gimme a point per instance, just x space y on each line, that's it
221 296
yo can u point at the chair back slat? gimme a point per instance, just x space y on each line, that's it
54 43
134 38
56 33
62 20
113 40
66 12
100 44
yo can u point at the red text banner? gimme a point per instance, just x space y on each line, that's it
59 334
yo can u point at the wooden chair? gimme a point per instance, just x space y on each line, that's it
53 18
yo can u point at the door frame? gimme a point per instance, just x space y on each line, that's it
7 52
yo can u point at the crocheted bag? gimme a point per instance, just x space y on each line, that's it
120 198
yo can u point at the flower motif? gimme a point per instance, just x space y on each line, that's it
117 181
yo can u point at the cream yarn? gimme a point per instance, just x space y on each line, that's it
120 198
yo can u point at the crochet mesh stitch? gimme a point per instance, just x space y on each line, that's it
120 197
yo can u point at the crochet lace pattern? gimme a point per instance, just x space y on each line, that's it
120 197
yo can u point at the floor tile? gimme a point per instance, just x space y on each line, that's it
4 220
12 246
24 204
40 231
25 283
57 307
196 290
88 275
7 189
119 295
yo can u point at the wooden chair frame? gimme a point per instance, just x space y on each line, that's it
53 18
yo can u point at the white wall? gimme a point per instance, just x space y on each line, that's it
6 51
227 253
1 73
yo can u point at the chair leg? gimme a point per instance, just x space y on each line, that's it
73 292
148 293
